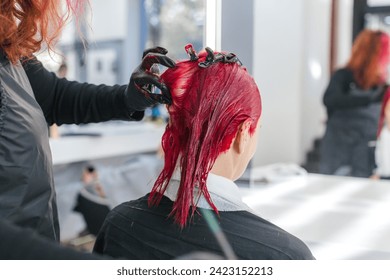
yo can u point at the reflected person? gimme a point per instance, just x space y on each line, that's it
352 101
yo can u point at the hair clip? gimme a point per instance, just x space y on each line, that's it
232 58
212 58
191 52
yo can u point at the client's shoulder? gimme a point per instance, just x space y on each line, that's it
140 207
262 239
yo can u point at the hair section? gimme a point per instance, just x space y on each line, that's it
208 106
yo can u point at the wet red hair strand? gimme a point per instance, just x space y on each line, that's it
209 105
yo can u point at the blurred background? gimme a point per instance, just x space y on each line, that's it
290 47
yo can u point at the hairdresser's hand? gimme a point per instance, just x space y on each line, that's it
141 91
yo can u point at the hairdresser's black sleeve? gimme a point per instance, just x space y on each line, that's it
18 243
68 102
338 94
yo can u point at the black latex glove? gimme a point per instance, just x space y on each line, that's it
144 79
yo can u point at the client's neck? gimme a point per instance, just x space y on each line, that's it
225 166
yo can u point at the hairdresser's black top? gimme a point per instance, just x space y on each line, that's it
134 231
342 93
353 115
31 98
17 243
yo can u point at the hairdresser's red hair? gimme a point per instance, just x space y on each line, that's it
209 105
385 100
27 24
370 54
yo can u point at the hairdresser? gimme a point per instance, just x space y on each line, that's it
31 98
353 101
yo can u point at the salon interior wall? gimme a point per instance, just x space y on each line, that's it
131 34
290 62
113 35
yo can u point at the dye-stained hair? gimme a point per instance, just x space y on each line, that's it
28 24
208 106
369 58
385 100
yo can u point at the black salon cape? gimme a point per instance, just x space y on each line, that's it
31 98
132 230
18 243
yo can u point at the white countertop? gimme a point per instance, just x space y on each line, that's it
106 142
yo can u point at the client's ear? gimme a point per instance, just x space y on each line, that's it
242 136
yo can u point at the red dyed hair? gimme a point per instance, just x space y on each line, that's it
370 55
27 24
208 106
385 100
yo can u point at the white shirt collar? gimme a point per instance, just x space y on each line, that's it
224 193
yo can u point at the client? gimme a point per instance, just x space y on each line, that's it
208 142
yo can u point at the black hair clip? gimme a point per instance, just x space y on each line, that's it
212 58
231 58
191 52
